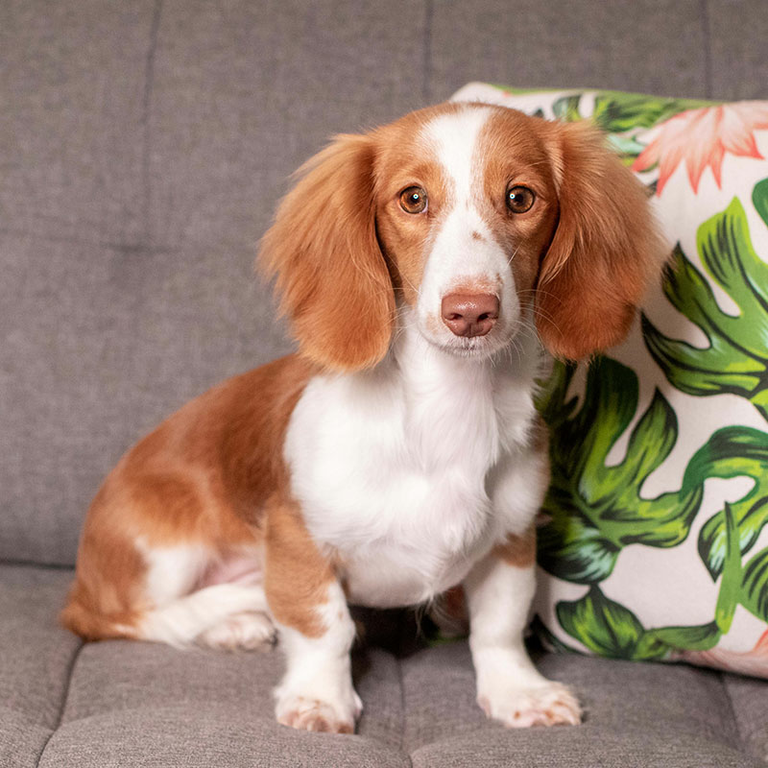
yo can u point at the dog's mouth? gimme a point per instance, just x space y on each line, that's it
476 346
472 346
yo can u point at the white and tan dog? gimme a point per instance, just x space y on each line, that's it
423 266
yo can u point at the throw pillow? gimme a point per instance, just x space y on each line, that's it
654 538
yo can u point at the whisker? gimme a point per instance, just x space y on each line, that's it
509 260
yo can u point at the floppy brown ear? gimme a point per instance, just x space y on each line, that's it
331 274
605 251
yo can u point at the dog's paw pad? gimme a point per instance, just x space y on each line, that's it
551 704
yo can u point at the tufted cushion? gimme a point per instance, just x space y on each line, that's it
143 704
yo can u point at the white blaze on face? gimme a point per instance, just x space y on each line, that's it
457 256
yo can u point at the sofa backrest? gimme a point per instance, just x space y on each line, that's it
144 145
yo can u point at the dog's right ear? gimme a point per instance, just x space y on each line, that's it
332 277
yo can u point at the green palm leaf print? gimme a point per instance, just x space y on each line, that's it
736 360
754 587
733 452
596 509
608 628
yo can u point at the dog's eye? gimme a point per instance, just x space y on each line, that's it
413 200
520 199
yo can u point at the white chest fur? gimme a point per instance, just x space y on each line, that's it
392 466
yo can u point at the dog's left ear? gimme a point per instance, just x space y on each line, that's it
605 251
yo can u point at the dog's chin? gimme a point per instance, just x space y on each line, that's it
476 347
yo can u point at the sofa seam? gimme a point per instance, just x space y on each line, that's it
146 108
426 83
401 683
23 563
741 742
706 29
63 705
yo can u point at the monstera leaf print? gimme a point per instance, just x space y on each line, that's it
736 359
754 585
605 446
617 112
596 508
593 509
734 452
623 116
608 628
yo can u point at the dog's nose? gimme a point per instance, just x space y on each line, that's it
470 314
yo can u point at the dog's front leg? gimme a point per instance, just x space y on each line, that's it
499 592
314 625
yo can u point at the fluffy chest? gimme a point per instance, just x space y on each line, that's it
390 468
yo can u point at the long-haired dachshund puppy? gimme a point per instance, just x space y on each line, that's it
424 267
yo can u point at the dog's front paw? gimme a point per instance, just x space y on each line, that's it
546 704
311 714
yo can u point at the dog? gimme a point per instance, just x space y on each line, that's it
426 267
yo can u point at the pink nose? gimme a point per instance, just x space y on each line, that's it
470 314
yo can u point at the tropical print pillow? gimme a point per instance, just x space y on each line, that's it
654 543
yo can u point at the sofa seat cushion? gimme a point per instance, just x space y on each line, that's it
140 704
636 716
36 658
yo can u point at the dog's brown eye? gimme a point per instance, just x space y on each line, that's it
413 200
520 199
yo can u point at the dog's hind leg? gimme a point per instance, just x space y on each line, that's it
226 608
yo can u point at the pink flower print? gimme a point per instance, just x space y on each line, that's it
754 662
701 137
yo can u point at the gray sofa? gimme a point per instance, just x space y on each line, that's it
143 146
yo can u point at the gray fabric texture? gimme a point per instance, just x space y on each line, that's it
205 735
587 747
748 698
657 46
72 90
636 715
736 65
123 703
36 658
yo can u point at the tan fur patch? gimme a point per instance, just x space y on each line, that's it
332 277
606 249
519 551
403 160
297 574
515 155
105 600
203 476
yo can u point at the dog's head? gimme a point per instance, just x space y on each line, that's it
477 218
